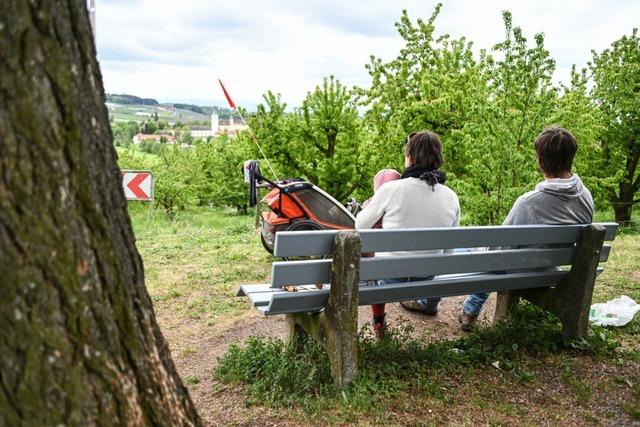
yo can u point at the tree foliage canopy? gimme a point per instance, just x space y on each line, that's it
616 95
319 141
487 108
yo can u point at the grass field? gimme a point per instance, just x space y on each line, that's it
509 375
136 154
195 262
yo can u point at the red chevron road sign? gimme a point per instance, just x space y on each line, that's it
138 185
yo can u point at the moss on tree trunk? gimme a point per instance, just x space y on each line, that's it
79 343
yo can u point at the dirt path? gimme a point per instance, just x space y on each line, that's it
195 347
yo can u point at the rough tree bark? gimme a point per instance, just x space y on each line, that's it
79 343
623 201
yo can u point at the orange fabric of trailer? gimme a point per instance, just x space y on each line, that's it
289 208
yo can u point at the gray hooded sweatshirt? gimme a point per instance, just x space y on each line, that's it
555 201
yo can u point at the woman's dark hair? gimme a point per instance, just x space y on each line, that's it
424 149
556 148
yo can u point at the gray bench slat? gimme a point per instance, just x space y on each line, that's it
261 298
245 290
294 302
268 295
262 295
319 271
308 243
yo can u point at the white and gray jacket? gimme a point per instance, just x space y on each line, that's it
554 202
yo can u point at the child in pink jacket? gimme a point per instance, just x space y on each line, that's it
379 314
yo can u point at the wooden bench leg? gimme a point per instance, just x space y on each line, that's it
570 300
336 328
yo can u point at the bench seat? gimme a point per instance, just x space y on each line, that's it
271 301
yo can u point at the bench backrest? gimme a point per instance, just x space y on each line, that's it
558 239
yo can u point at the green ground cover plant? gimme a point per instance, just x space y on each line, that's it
278 375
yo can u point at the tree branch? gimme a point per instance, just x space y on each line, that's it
636 157
297 166
347 193
321 148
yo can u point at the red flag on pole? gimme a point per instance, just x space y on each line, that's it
226 94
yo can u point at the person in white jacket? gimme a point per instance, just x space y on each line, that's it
419 199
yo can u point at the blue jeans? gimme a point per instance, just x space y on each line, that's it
474 302
425 302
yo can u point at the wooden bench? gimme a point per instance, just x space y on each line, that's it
331 315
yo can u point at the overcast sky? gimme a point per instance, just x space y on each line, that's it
176 50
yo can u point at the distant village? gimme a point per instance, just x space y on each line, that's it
142 121
218 127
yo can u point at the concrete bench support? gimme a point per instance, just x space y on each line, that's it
570 299
336 328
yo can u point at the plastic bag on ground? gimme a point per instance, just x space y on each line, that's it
617 312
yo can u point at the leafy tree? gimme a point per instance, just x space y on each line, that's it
119 136
487 111
150 146
183 135
496 140
149 127
222 160
123 133
577 111
318 141
179 179
433 83
131 129
616 73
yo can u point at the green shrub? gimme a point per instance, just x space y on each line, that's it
275 373
151 147
179 177
221 161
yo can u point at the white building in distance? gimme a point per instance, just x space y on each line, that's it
232 129
217 128
205 133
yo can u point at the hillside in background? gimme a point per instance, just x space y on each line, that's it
130 99
125 108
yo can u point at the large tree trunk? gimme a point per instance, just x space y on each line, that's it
623 209
79 343
627 188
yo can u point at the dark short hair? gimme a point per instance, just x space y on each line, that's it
424 149
556 147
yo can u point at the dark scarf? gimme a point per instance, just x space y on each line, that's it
431 177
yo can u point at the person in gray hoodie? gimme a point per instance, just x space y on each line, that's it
560 199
